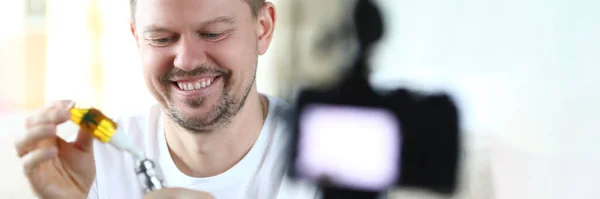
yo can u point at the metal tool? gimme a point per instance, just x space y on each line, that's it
147 175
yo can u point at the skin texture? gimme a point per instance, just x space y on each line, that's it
54 167
206 134
178 42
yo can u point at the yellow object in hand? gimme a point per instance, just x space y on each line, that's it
94 122
104 129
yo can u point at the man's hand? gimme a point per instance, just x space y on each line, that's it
177 193
55 168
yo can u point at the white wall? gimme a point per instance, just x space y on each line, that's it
12 62
123 87
12 95
525 72
68 52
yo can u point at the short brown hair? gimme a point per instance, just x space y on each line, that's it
255 6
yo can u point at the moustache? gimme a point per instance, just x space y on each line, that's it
179 73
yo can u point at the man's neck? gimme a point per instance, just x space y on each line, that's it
209 154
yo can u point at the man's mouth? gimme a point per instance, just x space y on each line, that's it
195 84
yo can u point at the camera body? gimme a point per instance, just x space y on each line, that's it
353 140
358 143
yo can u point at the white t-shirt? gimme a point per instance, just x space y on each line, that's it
260 174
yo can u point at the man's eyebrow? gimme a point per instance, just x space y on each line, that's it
153 28
222 19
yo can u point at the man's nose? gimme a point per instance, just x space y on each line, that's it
190 54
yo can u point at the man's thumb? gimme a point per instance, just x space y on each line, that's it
84 140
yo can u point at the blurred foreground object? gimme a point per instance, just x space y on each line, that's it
104 129
93 121
357 143
147 175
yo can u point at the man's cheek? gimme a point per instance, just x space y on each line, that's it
156 64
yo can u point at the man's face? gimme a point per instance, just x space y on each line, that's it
199 57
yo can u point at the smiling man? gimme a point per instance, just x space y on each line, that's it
211 133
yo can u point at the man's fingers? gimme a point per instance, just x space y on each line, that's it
36 157
32 136
59 103
55 113
84 141
51 116
177 193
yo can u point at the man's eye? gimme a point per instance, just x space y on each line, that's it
160 41
213 36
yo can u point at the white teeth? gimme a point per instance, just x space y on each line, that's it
194 86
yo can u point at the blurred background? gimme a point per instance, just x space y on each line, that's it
524 72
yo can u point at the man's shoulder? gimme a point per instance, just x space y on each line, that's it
278 106
276 100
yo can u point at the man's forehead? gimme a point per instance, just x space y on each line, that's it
217 20
195 4
197 12
189 7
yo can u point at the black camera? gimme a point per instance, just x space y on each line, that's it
356 142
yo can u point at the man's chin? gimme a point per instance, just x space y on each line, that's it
194 124
191 108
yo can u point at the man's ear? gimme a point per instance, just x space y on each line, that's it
265 23
133 33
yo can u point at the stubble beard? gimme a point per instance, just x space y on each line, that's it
220 114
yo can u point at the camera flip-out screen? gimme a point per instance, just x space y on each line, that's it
349 146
